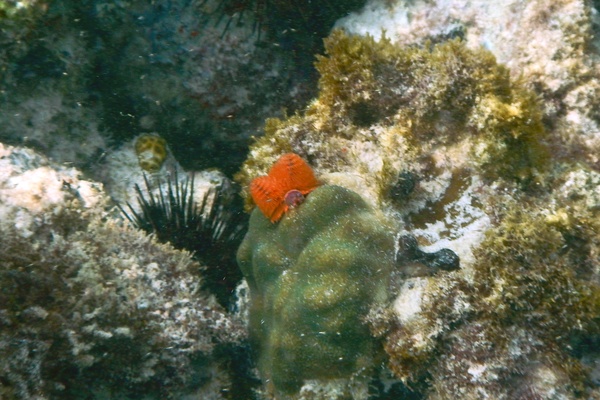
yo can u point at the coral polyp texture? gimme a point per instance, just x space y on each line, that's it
313 277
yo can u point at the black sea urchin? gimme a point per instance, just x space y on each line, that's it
297 25
211 230
308 15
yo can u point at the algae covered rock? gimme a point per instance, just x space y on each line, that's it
313 277
383 109
443 138
93 308
421 132
521 321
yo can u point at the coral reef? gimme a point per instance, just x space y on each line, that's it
313 277
403 104
521 319
44 104
514 330
92 308
446 114
470 125
551 46
448 145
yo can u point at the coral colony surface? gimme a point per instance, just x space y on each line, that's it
307 303
179 220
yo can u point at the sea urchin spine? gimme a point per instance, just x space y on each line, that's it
212 230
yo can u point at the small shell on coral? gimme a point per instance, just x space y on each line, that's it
293 198
151 151
288 181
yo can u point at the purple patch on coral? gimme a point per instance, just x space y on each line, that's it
293 198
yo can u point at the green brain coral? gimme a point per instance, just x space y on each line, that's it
313 277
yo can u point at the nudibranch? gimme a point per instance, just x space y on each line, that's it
151 151
288 181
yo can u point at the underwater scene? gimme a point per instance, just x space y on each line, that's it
299 199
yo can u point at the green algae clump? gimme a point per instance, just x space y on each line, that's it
313 278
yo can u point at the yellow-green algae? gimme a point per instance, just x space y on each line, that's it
313 277
383 109
509 325
520 325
